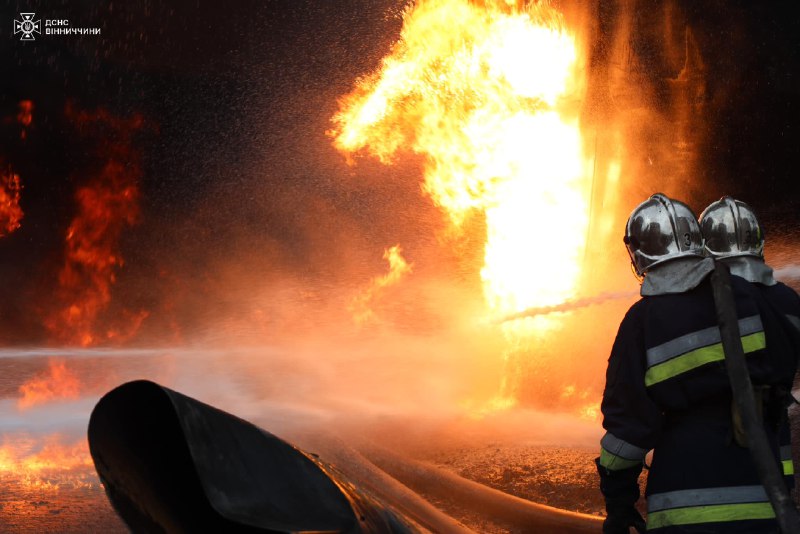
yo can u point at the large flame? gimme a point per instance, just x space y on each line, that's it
10 210
107 203
488 93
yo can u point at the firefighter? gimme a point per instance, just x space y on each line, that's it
733 235
667 389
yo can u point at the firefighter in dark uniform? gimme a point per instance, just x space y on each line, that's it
733 235
667 389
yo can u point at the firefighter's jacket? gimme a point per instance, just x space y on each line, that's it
786 304
667 390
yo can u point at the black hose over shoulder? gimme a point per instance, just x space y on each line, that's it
742 387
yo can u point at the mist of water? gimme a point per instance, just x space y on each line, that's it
569 305
788 272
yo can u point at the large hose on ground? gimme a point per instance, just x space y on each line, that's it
170 463
739 376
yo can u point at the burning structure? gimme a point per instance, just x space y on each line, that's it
240 192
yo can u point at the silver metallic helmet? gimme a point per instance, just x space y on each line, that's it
661 229
731 228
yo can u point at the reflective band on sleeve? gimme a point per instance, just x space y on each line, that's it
708 505
795 320
622 448
612 462
706 497
616 453
786 452
696 340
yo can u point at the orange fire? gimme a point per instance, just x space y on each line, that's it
25 116
107 203
25 113
57 382
489 93
48 466
398 268
10 210
588 406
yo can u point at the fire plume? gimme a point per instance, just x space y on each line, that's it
56 383
107 203
488 92
10 210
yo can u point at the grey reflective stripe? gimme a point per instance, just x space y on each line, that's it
795 320
621 448
786 452
706 497
695 340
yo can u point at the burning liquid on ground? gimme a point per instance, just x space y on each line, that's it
49 482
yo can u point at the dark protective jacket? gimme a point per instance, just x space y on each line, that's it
667 390
786 303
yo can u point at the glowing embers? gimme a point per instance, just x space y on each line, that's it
10 210
486 92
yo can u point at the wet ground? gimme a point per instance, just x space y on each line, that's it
51 498
73 500
56 504
561 477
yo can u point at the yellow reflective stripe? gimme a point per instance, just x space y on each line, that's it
754 342
698 357
612 462
709 514
788 467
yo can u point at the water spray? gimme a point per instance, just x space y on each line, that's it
568 305
791 272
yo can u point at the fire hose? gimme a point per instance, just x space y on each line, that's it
742 387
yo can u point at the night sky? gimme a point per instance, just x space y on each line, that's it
234 103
